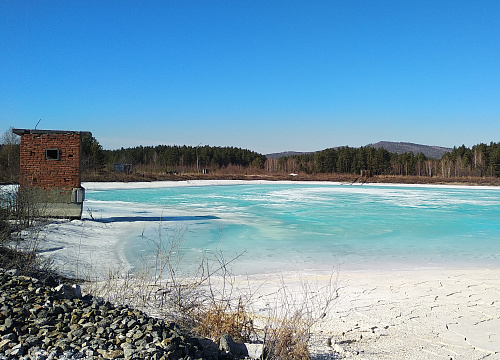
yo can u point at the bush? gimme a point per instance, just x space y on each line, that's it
219 318
287 327
6 213
20 224
287 338
207 302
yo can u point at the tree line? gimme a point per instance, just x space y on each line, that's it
185 158
482 160
479 161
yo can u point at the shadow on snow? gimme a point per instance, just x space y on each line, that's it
154 218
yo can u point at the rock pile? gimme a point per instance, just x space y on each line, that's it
39 320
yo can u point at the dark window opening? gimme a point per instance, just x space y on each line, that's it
52 154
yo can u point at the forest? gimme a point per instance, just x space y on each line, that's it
481 160
185 158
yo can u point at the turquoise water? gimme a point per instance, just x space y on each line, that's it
312 226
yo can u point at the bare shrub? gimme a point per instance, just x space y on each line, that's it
25 261
29 208
205 300
21 221
220 318
287 330
9 157
5 215
164 287
21 207
287 338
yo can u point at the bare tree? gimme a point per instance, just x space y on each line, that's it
9 157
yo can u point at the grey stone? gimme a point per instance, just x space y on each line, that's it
137 335
128 353
5 344
55 323
65 291
12 272
131 323
17 350
52 355
9 336
77 291
8 323
227 344
255 351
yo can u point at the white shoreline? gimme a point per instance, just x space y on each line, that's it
430 314
186 183
412 314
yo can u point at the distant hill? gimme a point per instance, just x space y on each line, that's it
285 153
435 152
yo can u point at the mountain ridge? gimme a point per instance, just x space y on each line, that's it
430 151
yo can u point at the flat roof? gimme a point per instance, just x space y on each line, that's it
36 131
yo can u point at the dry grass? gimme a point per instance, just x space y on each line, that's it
220 318
192 302
165 287
205 300
288 338
288 324
21 224
7 210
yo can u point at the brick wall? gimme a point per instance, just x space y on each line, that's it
38 172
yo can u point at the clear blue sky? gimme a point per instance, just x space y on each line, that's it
266 75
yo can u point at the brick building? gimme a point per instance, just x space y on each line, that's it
50 162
